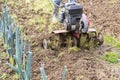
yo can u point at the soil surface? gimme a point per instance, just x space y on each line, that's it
84 64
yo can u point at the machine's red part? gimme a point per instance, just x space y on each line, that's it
77 35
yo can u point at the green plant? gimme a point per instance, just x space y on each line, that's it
74 49
111 57
23 59
15 76
37 5
3 76
4 55
25 71
110 40
79 77
7 28
43 73
44 77
113 1
64 73
12 60
117 45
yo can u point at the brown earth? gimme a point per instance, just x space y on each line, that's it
104 14
82 65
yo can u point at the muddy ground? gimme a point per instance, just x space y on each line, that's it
82 65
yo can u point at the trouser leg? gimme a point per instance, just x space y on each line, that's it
56 10
61 17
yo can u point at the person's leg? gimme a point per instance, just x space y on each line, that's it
56 4
61 17
71 0
55 12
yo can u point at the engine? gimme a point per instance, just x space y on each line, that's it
72 15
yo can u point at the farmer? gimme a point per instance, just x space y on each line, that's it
56 4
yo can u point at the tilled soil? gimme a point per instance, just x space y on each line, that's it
104 15
81 65
84 64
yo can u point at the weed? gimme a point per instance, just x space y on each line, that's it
113 1
1 40
117 45
40 29
47 58
12 61
31 22
3 76
4 55
110 40
79 77
37 49
27 1
14 16
5 46
74 49
15 76
111 57
12 2
36 5
61 54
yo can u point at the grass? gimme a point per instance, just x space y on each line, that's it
60 55
73 49
4 55
15 76
3 76
113 1
117 45
110 40
39 20
111 57
45 5
79 77
12 61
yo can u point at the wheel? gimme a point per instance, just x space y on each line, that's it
92 43
45 44
85 23
54 42
100 39
84 40
92 40
96 40
74 41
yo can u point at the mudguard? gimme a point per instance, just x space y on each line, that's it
85 22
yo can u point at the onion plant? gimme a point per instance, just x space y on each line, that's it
17 50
